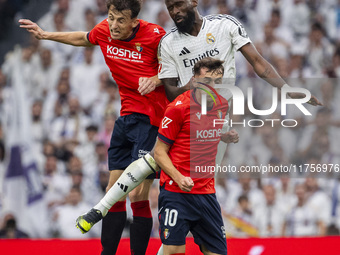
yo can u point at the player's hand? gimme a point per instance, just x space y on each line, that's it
32 27
185 183
230 137
313 100
146 85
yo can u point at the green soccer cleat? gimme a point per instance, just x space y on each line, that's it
86 221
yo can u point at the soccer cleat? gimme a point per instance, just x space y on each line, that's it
86 221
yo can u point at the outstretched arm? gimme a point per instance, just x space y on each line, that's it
267 72
261 67
72 38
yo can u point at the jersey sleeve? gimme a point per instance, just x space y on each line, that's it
160 32
167 65
239 36
92 36
171 124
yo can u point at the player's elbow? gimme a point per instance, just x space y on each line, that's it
171 95
157 155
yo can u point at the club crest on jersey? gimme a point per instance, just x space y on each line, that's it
210 38
166 233
219 114
138 47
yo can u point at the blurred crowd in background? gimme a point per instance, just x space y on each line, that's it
73 104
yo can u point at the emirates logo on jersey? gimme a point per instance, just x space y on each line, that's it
138 47
210 38
190 62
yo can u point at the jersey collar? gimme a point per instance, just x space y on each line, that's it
133 35
202 27
203 23
195 99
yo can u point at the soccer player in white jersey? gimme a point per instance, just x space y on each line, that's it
193 38
196 37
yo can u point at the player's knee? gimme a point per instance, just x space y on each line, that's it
205 251
150 159
109 186
141 192
173 249
138 195
114 175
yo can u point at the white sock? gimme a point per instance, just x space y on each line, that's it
133 175
160 251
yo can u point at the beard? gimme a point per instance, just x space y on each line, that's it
187 24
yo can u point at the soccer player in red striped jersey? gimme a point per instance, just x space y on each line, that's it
129 46
188 141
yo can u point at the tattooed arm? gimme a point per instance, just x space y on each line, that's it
261 66
267 72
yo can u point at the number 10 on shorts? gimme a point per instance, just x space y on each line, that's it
170 217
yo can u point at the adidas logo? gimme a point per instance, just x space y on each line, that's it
184 51
123 187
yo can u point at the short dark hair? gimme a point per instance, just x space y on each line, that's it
120 5
92 127
242 198
317 26
276 12
212 64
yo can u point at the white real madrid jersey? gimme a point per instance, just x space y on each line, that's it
220 37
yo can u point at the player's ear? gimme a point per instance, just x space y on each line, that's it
135 22
194 3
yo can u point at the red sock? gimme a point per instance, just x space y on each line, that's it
141 209
120 206
140 228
